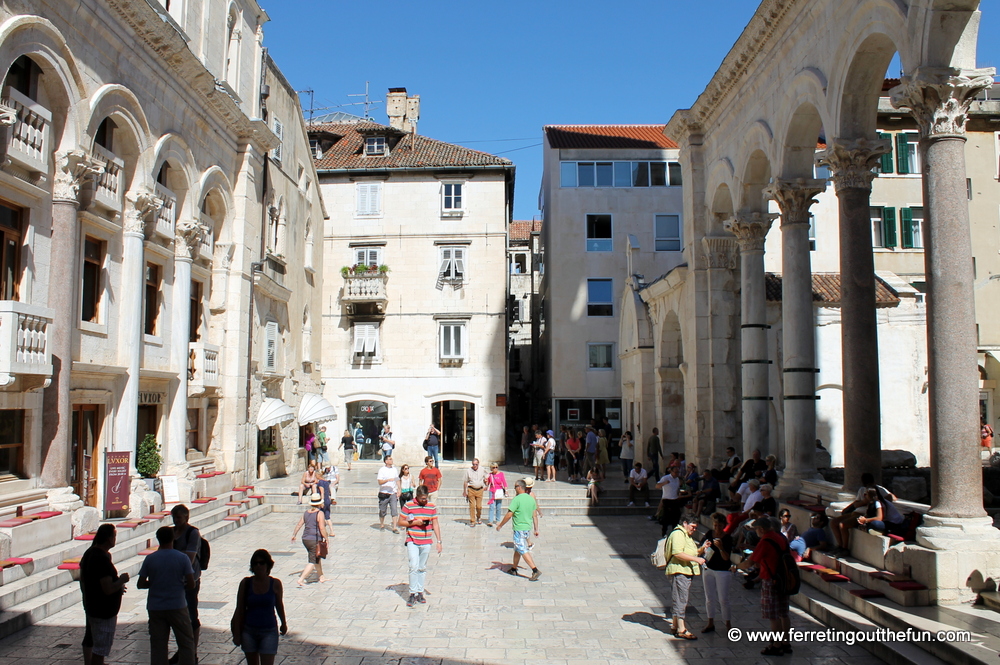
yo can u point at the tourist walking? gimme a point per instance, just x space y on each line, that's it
717 575
591 449
684 562
430 476
670 508
388 494
522 509
254 626
550 456
653 453
603 458
311 446
325 490
406 485
168 574
310 480
473 484
347 443
496 485
419 518
321 447
387 444
773 603
102 588
538 454
627 454
525 445
187 539
434 444
315 530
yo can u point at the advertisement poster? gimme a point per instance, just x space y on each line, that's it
168 486
117 484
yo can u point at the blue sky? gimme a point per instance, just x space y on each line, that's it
490 75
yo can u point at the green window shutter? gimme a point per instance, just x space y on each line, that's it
886 165
906 222
902 154
888 227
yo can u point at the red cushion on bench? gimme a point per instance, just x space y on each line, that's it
907 586
68 566
20 560
812 566
205 475
894 538
44 514
867 593
131 525
147 552
156 516
256 496
882 575
86 536
834 577
816 508
16 521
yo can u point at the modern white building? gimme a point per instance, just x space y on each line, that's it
415 271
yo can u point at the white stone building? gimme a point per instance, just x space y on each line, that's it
414 260
133 193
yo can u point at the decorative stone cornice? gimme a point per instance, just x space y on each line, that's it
720 252
138 208
794 198
187 238
939 98
74 168
750 229
852 162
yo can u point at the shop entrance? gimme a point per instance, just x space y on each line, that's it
365 419
84 460
457 422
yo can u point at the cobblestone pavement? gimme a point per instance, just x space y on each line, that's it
598 602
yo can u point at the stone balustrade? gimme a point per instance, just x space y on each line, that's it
365 288
203 368
29 137
25 352
166 214
108 191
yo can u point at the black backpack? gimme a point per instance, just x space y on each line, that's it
786 574
204 551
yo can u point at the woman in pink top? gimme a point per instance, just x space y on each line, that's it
497 484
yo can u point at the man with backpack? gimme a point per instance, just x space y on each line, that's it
187 539
779 580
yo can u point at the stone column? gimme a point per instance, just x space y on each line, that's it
711 389
750 229
73 170
188 238
851 163
939 99
794 197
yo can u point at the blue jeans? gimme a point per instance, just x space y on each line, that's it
876 525
418 565
435 452
496 510
798 545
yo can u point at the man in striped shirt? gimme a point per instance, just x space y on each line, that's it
419 517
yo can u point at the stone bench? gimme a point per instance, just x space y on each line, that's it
36 534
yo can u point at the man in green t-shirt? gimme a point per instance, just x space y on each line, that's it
522 509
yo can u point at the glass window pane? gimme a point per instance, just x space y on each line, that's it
446 340
585 174
658 174
599 290
623 174
605 174
458 339
675 174
640 174
567 172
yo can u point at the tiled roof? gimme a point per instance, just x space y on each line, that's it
410 151
522 229
608 136
826 289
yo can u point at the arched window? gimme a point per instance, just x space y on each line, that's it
233 36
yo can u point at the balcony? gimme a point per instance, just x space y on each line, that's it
207 248
166 215
109 184
365 288
25 356
28 138
203 369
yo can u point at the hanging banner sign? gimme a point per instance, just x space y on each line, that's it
117 483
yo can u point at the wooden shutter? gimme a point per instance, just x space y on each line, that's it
271 346
902 154
362 188
360 336
888 227
374 198
459 262
906 223
445 271
279 131
886 165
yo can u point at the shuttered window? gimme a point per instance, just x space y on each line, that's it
452 264
279 131
366 344
452 340
369 196
271 339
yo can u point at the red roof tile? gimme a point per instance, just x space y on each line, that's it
826 289
608 136
522 229
405 150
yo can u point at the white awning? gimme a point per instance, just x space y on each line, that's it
272 412
315 409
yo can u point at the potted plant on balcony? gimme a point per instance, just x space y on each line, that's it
383 269
148 460
345 271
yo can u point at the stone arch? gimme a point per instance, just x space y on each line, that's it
172 152
132 136
719 202
803 119
671 382
756 176
671 342
215 202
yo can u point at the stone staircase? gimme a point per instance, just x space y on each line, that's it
48 581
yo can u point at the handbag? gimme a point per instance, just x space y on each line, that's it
498 494
322 549
427 444
406 496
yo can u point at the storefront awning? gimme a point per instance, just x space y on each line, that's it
272 412
315 409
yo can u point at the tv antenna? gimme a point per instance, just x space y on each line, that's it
368 103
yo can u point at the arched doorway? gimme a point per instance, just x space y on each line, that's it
457 422
365 419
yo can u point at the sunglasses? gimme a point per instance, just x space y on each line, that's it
259 563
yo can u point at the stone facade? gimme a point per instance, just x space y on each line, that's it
526 366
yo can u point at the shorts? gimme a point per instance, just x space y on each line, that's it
550 458
311 549
260 640
100 635
772 605
539 456
521 541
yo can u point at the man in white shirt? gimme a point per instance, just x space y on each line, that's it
638 481
670 503
753 485
388 493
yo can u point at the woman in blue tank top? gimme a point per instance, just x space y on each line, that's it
254 626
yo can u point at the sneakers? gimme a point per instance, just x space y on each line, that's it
411 601
421 599
535 575
632 503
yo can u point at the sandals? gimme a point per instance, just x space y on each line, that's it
685 636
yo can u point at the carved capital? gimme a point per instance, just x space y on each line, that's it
74 168
187 237
138 208
852 162
939 98
794 198
750 229
8 115
720 252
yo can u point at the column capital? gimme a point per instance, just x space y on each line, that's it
750 229
794 198
138 207
74 168
851 161
939 98
719 251
187 238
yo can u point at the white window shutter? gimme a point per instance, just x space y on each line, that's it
459 263
359 257
445 263
279 132
271 346
375 195
375 348
362 189
360 334
458 344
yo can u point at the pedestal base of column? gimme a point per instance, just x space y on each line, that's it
788 487
970 534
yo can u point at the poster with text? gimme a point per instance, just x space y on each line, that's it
117 484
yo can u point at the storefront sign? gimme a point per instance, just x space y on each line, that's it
151 398
117 484
501 400
168 486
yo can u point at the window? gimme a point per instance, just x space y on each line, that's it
10 256
152 301
883 227
375 145
619 174
514 365
812 232
194 324
599 297
668 233
567 174
517 309
23 76
279 130
885 161
600 356
674 179
12 442
452 340
193 418
452 264
598 233
271 347
93 261
520 264
105 134
367 256
451 198
911 221
369 196
907 153
366 344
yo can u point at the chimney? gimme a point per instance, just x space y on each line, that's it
403 111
